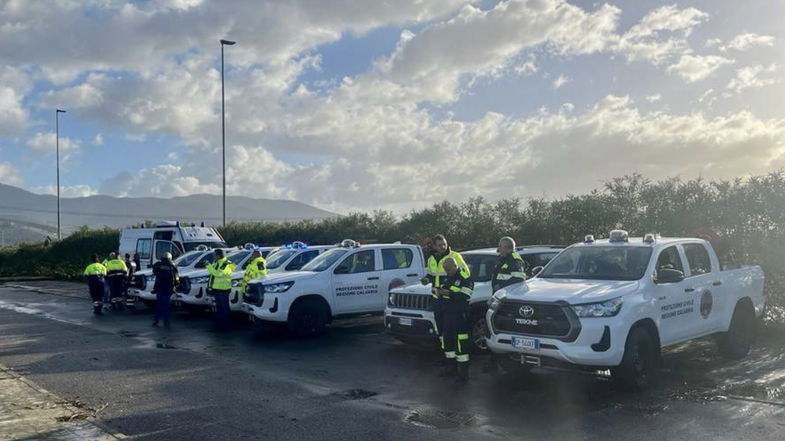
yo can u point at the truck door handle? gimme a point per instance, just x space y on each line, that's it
689 289
373 278
717 283
412 275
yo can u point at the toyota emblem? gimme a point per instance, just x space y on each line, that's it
526 311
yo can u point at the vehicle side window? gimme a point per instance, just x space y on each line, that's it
669 259
397 258
162 247
544 258
301 259
359 262
206 259
697 258
143 248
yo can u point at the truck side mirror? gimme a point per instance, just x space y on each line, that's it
667 275
537 270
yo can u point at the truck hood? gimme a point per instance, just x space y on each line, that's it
573 291
287 277
419 288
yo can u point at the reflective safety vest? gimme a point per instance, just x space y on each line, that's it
436 268
255 269
459 285
116 267
95 269
509 268
220 274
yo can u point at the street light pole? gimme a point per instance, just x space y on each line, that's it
57 153
223 127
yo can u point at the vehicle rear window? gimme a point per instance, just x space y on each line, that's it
397 258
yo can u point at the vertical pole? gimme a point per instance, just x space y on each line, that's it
57 149
223 135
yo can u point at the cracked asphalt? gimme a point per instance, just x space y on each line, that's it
356 382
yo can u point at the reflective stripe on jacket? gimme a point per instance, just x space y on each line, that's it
436 271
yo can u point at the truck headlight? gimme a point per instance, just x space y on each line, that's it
608 308
199 280
391 299
496 299
278 287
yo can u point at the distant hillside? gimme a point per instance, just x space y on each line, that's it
34 213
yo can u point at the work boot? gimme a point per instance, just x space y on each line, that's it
97 309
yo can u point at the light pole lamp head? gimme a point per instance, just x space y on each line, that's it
59 111
228 42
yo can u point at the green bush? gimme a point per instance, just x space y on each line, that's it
748 214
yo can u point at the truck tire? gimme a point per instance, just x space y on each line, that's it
638 368
478 331
308 318
735 343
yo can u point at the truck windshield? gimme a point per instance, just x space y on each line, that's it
279 258
324 260
238 256
190 246
187 258
599 263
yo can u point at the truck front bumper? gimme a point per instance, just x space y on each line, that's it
197 296
410 323
143 294
599 343
274 308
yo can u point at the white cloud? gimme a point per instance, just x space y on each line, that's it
9 174
98 140
46 143
753 77
742 42
654 98
694 68
560 81
66 191
136 137
14 85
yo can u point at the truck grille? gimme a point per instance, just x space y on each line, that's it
412 301
552 320
255 294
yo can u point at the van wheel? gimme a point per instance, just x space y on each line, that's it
735 344
307 318
638 367
479 331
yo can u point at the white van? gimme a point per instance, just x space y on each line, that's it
172 237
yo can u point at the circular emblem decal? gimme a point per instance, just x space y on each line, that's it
707 301
526 311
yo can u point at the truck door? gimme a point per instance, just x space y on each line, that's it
709 294
356 282
399 267
676 302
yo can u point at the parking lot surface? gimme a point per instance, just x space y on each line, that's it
356 382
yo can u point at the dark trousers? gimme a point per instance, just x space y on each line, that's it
163 306
116 287
96 286
221 316
456 328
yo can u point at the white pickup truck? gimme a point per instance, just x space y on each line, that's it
144 280
408 316
615 303
348 280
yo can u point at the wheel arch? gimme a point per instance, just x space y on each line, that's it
316 298
651 327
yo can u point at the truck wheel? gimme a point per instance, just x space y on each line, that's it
638 367
735 344
479 331
307 318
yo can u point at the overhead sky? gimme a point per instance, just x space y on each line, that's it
358 105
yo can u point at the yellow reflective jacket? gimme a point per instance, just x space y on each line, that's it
220 274
436 268
255 269
95 269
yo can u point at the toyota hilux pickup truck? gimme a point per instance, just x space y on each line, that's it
613 304
348 280
408 315
144 280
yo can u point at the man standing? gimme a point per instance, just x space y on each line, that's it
255 269
509 267
435 268
219 285
95 273
166 279
116 272
455 292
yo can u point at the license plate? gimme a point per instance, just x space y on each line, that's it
405 321
526 343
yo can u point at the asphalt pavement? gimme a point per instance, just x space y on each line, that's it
357 383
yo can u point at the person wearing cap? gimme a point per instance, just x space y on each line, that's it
455 292
256 268
95 273
166 279
219 285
